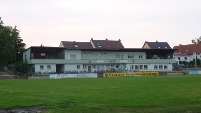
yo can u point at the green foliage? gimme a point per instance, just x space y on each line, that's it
183 62
192 63
7 49
11 45
141 94
21 66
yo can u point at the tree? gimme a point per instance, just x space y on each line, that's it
21 66
19 46
192 63
196 41
10 44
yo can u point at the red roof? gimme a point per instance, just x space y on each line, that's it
76 45
107 44
188 49
180 54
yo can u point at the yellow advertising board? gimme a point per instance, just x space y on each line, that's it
130 74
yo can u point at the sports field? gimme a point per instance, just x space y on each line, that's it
139 94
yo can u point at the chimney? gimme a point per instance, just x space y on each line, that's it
91 38
106 39
119 40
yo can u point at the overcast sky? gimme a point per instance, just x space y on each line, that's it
49 22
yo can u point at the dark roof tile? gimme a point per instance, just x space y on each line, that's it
158 45
76 45
107 44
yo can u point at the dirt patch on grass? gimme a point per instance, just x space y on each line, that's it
31 109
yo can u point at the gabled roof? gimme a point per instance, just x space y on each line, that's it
188 49
156 45
107 44
76 45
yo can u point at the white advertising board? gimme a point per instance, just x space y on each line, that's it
87 75
56 76
83 75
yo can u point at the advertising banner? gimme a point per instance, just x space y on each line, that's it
130 74
83 75
191 72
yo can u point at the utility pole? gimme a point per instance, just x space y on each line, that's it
194 55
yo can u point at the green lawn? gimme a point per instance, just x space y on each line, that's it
147 94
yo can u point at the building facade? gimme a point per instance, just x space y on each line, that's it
187 52
99 57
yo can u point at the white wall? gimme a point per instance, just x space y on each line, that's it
37 68
75 52
111 55
151 67
27 53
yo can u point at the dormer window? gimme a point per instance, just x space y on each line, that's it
98 45
165 47
159 47
75 45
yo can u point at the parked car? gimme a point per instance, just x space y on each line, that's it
182 66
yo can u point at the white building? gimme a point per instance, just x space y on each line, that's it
187 52
95 56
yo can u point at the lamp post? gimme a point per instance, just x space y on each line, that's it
194 55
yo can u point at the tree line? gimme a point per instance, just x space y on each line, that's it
11 45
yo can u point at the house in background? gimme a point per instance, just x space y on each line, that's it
156 45
95 56
187 52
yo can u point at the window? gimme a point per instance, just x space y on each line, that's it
131 67
130 56
165 47
78 66
165 67
72 56
145 67
100 54
136 67
49 67
112 65
85 53
141 67
159 47
178 58
117 55
185 58
75 45
98 45
94 66
160 67
41 67
84 67
140 56
156 67
89 54
105 54
25 57
42 54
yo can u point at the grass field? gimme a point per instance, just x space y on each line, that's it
147 94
